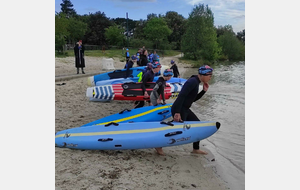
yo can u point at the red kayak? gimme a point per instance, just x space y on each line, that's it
125 91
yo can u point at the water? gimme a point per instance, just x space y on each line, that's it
225 102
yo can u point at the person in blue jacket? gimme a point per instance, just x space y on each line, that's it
189 93
127 55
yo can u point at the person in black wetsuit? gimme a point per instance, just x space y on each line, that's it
143 57
147 77
175 69
159 88
130 64
189 94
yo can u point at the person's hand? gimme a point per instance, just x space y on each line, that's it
205 86
179 76
146 95
177 117
163 103
158 101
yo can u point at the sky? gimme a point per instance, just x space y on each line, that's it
226 12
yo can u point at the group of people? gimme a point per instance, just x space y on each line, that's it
189 93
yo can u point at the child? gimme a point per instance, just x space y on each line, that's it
159 88
175 69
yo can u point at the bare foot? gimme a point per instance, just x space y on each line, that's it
160 151
199 152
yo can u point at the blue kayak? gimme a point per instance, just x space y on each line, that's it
135 79
143 114
133 72
137 135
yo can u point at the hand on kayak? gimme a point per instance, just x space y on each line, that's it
177 117
146 95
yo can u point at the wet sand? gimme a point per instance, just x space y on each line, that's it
126 169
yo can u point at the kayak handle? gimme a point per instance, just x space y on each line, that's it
111 123
162 112
167 123
104 140
173 133
124 111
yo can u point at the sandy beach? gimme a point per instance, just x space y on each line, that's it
119 170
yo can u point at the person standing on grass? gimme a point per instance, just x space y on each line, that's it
79 56
189 93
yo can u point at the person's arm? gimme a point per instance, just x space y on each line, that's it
177 71
154 91
163 95
82 48
188 86
205 88
145 79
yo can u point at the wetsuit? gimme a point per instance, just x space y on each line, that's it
147 77
159 89
128 65
144 60
175 70
188 95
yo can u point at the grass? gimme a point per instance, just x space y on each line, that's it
119 53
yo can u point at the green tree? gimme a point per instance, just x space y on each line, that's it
176 23
231 46
200 38
222 29
76 29
66 7
97 23
157 30
61 31
114 35
241 36
138 32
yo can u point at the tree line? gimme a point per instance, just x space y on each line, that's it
196 36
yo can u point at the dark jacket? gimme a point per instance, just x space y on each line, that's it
147 77
79 56
187 95
144 60
175 70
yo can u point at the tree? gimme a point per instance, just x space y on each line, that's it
76 29
200 38
114 35
231 46
222 29
66 7
157 30
176 23
61 31
241 36
97 23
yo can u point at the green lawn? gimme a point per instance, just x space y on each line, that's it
114 53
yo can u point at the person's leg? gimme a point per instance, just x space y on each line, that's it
82 70
77 70
196 145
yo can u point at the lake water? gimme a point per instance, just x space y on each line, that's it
225 102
